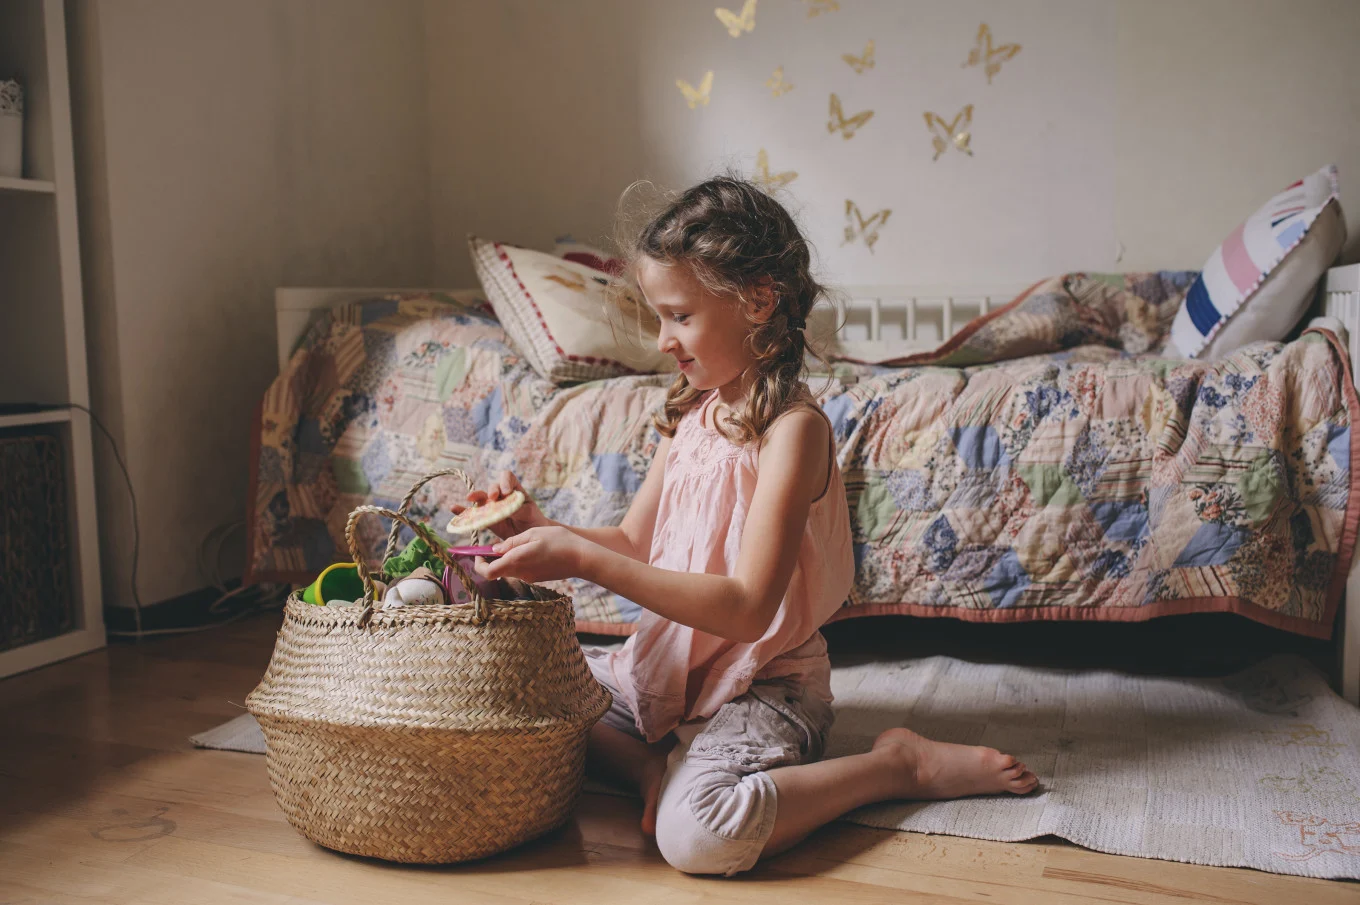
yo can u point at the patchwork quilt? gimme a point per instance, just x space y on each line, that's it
1046 463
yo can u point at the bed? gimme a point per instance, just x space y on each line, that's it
1024 454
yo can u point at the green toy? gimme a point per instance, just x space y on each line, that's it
416 554
339 581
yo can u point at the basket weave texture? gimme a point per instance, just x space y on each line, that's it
428 734
35 596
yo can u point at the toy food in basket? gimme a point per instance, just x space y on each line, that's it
483 751
423 587
496 588
475 518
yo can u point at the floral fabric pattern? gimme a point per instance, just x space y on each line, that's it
1046 463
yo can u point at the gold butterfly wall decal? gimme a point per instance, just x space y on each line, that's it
956 131
767 180
817 7
736 24
847 126
988 56
694 97
857 226
777 83
862 62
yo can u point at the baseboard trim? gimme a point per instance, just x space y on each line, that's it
187 610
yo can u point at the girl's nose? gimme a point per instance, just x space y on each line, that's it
665 342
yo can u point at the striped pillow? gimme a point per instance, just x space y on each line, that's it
1259 282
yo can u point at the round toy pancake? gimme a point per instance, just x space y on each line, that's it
475 518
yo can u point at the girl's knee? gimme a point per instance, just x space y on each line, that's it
689 846
714 821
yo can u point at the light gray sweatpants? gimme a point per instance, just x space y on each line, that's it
717 805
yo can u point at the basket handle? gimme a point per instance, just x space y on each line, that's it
479 607
405 506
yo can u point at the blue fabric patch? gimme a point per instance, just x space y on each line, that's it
1125 520
1109 564
628 610
1006 580
379 308
1201 309
486 414
1178 278
1291 234
942 543
309 439
978 447
837 409
859 551
1213 545
1339 445
271 466
910 489
615 474
375 461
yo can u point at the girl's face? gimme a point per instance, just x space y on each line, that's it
704 332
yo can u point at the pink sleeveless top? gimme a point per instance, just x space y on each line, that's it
670 673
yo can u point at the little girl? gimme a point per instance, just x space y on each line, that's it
738 549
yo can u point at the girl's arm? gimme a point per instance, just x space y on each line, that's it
793 467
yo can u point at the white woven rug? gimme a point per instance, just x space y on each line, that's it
1261 769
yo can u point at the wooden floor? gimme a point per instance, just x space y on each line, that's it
103 800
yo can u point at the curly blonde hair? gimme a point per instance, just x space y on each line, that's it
739 243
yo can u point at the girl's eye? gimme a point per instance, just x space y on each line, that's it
679 318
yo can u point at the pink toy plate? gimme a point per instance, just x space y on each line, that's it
485 552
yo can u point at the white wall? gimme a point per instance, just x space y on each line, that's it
225 149
533 113
1251 95
1127 134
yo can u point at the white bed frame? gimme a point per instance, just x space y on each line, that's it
885 321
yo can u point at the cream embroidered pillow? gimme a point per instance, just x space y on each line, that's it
557 314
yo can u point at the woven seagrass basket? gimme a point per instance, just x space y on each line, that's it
428 734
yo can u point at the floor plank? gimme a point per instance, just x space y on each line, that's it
103 799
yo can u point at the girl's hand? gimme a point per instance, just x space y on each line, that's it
537 554
526 517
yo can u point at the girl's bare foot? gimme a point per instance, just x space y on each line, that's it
650 788
931 769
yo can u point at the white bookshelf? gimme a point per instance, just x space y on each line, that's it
10 184
42 320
